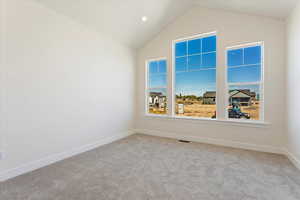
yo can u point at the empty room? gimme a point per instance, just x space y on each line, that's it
149 100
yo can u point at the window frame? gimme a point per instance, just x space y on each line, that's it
260 83
146 90
173 74
221 107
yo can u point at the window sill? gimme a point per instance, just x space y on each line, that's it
245 123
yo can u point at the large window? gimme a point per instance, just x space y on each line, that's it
195 77
244 78
156 86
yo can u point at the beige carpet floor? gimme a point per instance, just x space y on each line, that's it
150 168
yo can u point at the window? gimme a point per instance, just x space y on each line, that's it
156 87
195 77
245 81
194 88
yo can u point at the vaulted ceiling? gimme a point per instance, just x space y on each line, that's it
121 19
279 9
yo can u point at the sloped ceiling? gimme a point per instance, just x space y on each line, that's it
121 19
279 9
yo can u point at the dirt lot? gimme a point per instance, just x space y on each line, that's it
252 110
197 109
160 111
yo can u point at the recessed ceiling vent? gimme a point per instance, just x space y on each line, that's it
184 141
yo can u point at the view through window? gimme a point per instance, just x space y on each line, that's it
195 77
244 67
194 80
157 86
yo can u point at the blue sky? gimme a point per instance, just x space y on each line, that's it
244 65
195 82
195 66
157 74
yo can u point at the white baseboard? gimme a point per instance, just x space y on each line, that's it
11 173
226 143
293 158
220 142
28 167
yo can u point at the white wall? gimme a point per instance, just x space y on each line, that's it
293 83
2 121
65 86
233 29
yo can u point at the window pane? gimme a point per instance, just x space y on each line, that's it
162 66
194 62
181 64
153 67
157 87
194 46
209 44
235 57
181 49
195 79
209 60
252 55
157 101
157 80
196 93
244 102
250 73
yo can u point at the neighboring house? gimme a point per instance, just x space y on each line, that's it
157 99
244 97
209 97
241 96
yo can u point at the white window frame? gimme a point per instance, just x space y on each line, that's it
260 83
173 93
147 62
